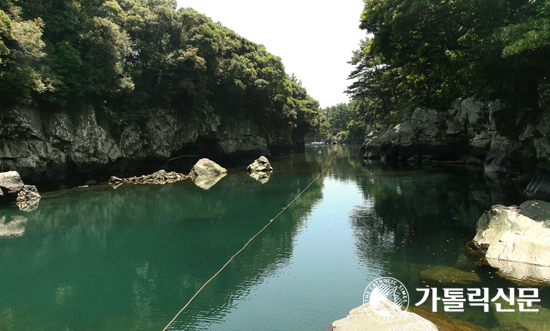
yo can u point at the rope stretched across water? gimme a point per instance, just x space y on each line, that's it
250 240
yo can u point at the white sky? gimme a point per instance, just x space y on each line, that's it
315 39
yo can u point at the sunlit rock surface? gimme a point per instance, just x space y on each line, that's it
12 189
205 167
514 320
517 234
261 164
206 173
10 185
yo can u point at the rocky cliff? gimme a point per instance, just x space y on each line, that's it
58 147
477 134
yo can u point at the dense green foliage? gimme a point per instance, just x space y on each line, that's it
428 53
127 57
345 117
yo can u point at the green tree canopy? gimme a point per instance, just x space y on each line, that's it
21 54
428 53
128 57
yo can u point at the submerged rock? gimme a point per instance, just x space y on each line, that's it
443 321
360 319
445 276
261 164
517 234
205 167
521 321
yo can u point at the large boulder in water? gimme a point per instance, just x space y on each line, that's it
28 198
10 185
517 235
12 189
261 164
205 167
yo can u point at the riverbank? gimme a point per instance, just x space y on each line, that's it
470 133
56 149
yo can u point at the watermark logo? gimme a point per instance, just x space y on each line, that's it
384 298
454 299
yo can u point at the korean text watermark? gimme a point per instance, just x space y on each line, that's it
455 299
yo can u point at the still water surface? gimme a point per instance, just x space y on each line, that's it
129 258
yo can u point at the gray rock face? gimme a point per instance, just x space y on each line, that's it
518 235
539 187
467 133
46 147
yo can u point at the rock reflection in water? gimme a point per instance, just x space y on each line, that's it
14 227
206 182
262 177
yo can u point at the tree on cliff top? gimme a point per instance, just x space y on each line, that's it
21 54
428 53
128 57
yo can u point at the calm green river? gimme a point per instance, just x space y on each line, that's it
130 258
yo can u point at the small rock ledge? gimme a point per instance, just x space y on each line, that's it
159 177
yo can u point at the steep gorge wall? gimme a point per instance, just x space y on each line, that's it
477 134
57 147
